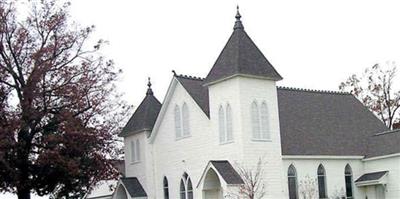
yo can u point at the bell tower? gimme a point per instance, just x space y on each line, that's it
243 78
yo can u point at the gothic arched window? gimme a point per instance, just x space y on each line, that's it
178 127
186 188
165 187
348 177
292 182
321 182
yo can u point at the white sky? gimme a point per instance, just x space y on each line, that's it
311 43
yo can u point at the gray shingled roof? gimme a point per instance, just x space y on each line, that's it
371 176
228 173
144 117
384 143
194 86
241 56
320 122
134 187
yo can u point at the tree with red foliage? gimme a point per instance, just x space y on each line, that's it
375 89
58 106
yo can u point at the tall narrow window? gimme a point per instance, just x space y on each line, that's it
190 189
185 120
255 120
166 189
133 151
221 121
178 129
183 190
321 182
348 177
137 151
264 122
186 188
229 123
292 182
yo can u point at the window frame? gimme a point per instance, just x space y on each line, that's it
135 153
289 176
184 192
256 117
180 124
225 124
185 118
348 172
165 188
321 173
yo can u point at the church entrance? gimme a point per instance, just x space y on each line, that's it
212 186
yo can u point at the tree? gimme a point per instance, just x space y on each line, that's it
253 186
375 90
58 106
308 188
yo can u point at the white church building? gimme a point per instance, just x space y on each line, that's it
193 143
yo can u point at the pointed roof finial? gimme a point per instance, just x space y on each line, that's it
238 22
149 91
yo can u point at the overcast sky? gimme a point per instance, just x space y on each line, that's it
311 43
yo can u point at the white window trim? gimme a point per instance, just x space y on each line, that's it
261 139
182 133
225 118
135 151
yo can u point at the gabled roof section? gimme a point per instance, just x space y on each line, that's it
241 56
385 143
194 86
224 169
325 123
228 173
145 115
134 187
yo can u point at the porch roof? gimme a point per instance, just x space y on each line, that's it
373 178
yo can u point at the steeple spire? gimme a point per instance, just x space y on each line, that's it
238 22
149 91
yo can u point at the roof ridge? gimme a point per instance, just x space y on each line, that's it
313 90
388 132
190 77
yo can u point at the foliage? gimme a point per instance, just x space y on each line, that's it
59 110
375 90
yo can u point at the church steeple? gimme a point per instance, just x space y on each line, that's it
238 22
145 115
149 91
241 57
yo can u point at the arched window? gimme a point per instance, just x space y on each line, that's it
348 177
137 151
186 188
221 121
229 123
185 118
166 190
292 182
178 128
182 190
264 121
321 182
190 189
255 120
133 151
